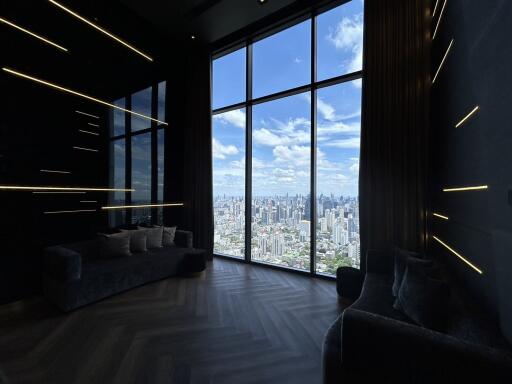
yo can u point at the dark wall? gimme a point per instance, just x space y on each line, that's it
476 72
38 125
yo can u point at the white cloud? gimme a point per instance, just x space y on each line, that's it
297 60
354 142
339 127
327 110
220 151
256 163
235 117
354 168
348 36
295 155
291 132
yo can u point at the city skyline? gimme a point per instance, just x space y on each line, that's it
281 230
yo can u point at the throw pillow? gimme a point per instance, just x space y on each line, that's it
401 257
169 234
138 239
423 297
114 245
154 236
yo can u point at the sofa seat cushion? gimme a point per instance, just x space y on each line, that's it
165 261
376 297
102 278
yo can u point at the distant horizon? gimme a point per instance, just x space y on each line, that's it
289 194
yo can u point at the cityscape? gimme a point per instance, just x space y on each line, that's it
281 230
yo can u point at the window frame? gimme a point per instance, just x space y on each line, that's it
248 104
127 137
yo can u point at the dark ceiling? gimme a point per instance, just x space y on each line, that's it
209 20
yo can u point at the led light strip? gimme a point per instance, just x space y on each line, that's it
458 255
88 132
13 72
86 149
475 110
93 125
51 193
439 20
53 171
435 8
441 216
33 34
462 189
75 211
37 188
442 61
143 206
101 30
87 114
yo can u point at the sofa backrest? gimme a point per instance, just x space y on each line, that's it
87 249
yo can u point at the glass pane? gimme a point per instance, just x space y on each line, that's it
161 100
160 182
281 203
119 118
229 79
282 61
118 178
141 103
141 176
229 183
338 138
340 40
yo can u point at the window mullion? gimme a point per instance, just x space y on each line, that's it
312 191
248 153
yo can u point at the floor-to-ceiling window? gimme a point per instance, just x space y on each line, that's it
286 137
137 148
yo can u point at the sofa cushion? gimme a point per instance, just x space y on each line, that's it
376 297
138 240
401 257
168 236
165 261
154 236
88 249
423 297
114 245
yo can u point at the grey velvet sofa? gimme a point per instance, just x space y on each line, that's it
73 276
373 342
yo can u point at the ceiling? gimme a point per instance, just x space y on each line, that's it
208 20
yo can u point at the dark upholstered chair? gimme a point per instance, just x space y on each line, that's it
373 342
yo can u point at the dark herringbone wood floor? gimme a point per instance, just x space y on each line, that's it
235 324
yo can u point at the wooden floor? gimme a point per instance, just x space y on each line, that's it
235 324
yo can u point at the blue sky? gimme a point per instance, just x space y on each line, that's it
282 128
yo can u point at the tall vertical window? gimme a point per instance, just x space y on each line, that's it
337 153
286 139
283 60
141 177
141 103
281 169
229 182
118 177
137 150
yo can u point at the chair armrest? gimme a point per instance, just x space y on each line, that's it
349 282
62 264
379 261
406 353
184 239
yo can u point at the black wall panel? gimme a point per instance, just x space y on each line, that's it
476 72
39 126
